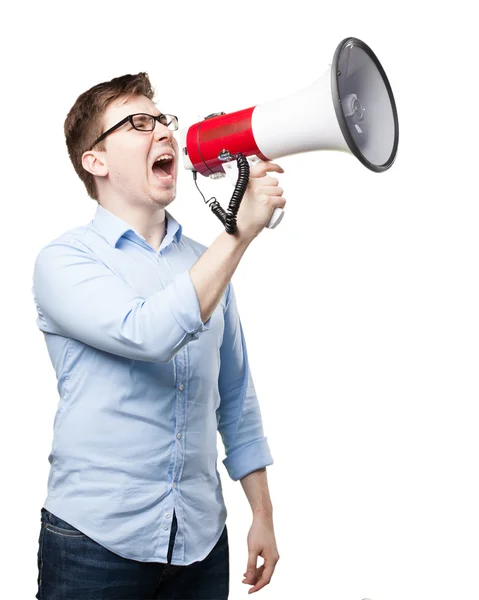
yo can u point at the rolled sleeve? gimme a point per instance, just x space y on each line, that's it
184 304
247 459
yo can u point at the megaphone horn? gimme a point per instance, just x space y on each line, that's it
351 108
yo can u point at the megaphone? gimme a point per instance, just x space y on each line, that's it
351 108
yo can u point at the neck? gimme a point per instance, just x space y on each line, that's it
148 221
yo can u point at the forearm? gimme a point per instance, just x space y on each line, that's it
255 486
212 273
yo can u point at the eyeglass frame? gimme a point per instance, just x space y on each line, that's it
130 119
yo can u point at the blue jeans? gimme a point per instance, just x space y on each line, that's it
71 566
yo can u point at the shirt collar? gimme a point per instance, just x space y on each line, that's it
112 228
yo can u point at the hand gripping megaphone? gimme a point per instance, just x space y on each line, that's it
351 108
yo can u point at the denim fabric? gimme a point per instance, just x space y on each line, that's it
71 566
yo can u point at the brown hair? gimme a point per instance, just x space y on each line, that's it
84 121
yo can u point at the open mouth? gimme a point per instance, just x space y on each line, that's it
163 167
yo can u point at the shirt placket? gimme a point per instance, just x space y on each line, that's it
181 396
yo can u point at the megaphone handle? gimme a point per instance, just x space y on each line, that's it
278 214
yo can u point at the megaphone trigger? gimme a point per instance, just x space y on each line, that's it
231 168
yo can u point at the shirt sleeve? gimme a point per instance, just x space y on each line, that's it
78 296
239 415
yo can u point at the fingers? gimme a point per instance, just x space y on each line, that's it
262 167
255 578
263 181
274 201
272 190
265 577
251 568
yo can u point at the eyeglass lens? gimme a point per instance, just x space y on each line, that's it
147 123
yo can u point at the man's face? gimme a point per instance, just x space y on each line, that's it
130 155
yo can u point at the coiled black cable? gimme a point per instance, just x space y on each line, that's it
228 218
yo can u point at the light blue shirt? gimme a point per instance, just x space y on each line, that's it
143 386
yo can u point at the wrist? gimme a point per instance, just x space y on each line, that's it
237 242
263 512
242 239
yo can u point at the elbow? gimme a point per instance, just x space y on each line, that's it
152 341
165 357
167 352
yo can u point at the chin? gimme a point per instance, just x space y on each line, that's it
165 197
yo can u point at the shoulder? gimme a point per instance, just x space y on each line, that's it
77 238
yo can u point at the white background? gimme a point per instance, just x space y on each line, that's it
360 310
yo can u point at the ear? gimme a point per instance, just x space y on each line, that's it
95 163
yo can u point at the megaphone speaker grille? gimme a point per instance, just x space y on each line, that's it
364 104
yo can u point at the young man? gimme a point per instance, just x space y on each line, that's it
143 331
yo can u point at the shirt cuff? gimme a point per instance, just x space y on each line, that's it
248 458
184 304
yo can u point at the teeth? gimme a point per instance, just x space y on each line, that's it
164 157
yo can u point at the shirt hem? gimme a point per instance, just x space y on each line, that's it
162 560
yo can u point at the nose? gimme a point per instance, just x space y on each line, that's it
162 133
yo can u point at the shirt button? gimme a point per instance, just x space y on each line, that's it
182 387
173 485
167 515
178 435
165 528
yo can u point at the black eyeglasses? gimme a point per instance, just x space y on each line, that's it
142 122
